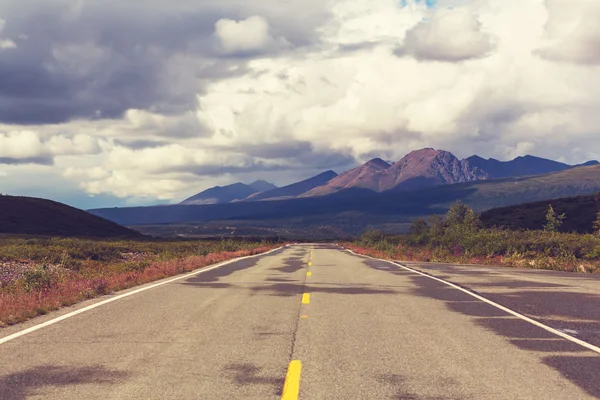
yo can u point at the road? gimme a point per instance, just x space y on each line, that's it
359 328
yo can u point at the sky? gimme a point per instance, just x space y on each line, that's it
131 102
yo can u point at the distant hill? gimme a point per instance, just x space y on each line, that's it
580 213
34 216
229 193
294 189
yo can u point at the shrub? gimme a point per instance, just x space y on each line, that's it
36 279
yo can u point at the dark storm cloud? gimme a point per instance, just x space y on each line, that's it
99 63
96 59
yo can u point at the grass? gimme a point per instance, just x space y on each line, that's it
39 275
464 241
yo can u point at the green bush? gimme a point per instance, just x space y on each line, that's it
38 279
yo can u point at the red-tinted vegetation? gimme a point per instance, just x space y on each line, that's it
41 275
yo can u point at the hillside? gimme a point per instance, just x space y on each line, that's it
580 213
34 216
229 193
510 191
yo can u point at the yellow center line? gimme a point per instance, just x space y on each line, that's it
306 298
291 387
309 273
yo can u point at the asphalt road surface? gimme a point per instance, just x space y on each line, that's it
358 328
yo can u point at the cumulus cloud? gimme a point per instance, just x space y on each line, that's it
572 32
29 147
452 35
244 37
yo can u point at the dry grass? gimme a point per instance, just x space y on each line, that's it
42 275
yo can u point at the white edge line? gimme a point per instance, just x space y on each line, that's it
103 302
501 307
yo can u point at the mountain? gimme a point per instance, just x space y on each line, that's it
429 167
420 168
294 189
262 186
366 176
229 193
580 214
520 166
367 208
34 216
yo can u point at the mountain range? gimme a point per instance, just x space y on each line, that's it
378 194
417 170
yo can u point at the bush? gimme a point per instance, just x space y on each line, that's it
38 279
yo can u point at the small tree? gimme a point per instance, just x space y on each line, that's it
436 226
462 217
597 224
418 227
553 221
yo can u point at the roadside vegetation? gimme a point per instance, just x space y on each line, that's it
38 275
460 237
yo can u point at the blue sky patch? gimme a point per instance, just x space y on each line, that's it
428 3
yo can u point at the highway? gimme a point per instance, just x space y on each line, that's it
324 323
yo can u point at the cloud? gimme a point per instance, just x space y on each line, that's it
449 35
5 43
29 147
572 33
249 36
